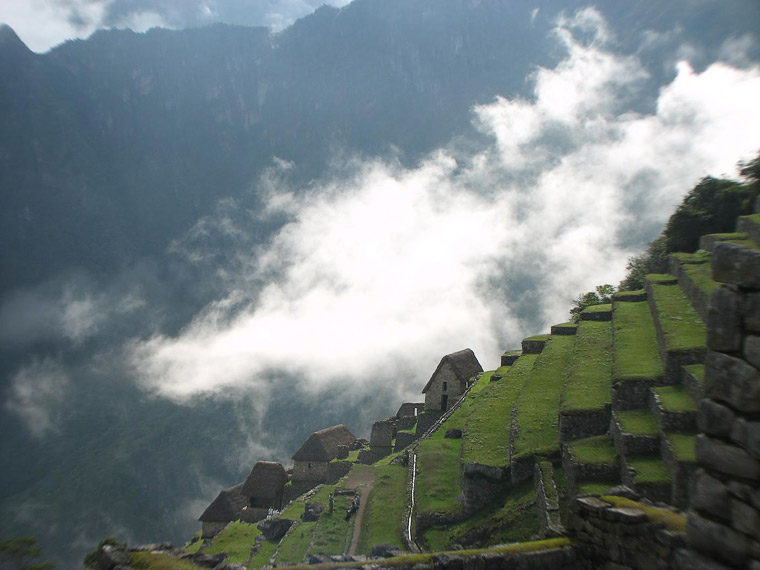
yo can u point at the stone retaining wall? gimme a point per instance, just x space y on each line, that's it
580 424
547 502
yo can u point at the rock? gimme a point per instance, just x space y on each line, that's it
318 559
725 458
733 381
111 556
453 433
708 494
312 511
745 519
688 560
384 550
715 539
724 319
751 350
751 311
274 529
735 263
624 491
715 419
205 560
230 567
625 515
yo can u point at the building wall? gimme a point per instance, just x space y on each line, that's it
435 392
310 471
211 529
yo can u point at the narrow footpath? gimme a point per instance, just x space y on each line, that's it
361 480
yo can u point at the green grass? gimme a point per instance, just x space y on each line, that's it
673 521
486 437
625 295
438 474
539 337
511 518
675 399
683 445
680 323
587 383
639 422
550 487
593 488
636 355
698 370
598 450
729 236
538 402
649 470
193 547
701 276
159 561
517 352
605 308
699 256
353 457
236 540
295 545
385 508
661 279
264 554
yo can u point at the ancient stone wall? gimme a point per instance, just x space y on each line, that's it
310 471
724 525
453 388
336 470
382 433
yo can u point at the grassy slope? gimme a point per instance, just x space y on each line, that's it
538 402
635 353
486 439
675 399
385 508
587 384
236 540
638 422
438 474
597 450
681 326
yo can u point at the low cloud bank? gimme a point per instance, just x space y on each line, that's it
381 270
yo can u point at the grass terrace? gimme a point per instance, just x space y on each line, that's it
594 488
625 296
597 450
638 422
511 519
236 540
606 308
673 521
697 370
538 402
683 445
385 508
701 276
438 473
539 337
680 323
649 469
587 383
636 354
486 439
158 561
675 399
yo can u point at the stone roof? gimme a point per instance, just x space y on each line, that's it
227 505
323 445
463 363
265 481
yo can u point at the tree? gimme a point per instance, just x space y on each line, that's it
600 296
21 553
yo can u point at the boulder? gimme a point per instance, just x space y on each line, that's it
111 556
385 550
274 529
312 511
205 560
453 433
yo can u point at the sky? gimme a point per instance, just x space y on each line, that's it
43 24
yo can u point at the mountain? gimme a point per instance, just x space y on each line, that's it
114 153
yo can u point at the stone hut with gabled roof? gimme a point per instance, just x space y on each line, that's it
310 461
224 509
263 487
449 381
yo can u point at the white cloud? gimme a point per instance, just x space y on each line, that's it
380 273
36 395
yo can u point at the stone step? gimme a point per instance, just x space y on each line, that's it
681 333
535 344
678 453
564 329
673 408
510 356
694 273
630 296
597 313
635 432
750 225
707 242
590 460
547 500
693 381
636 362
647 475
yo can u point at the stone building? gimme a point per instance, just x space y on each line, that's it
226 508
450 379
311 460
264 486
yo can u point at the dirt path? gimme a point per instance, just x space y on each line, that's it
362 480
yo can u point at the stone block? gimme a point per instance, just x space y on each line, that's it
751 350
726 458
724 319
733 381
737 264
745 518
751 311
689 560
382 434
625 515
710 495
716 540
715 419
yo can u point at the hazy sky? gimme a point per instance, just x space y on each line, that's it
43 24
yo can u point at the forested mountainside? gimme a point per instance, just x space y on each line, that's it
139 172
